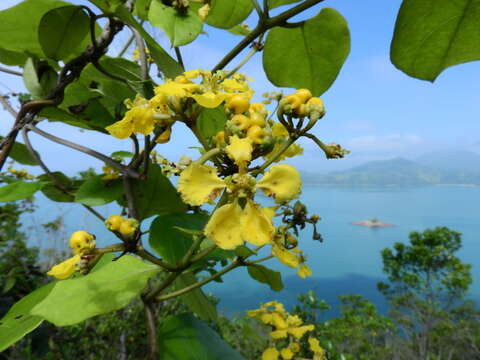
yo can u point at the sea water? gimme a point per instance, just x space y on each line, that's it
348 261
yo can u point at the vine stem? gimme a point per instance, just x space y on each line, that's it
263 25
277 155
7 106
8 71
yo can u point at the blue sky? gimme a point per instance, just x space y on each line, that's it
373 109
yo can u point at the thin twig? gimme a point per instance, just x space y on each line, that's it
144 254
109 161
7 106
150 320
263 27
55 180
142 53
126 46
8 71
179 57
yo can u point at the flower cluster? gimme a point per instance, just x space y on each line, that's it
82 244
20 174
287 329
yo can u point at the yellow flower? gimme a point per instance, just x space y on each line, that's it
82 242
287 353
304 271
164 136
110 173
138 119
199 184
66 268
279 131
173 88
270 354
230 225
293 327
239 150
282 182
285 256
318 351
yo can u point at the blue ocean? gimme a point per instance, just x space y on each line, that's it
348 261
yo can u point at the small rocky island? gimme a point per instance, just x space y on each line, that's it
371 223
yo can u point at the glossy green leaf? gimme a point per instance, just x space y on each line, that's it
225 14
39 86
20 154
156 195
19 24
95 191
211 121
19 190
12 57
141 9
276 3
108 6
184 337
243 251
51 191
82 120
31 80
170 243
266 276
121 155
432 35
165 63
196 300
109 288
241 29
181 28
310 55
61 29
19 321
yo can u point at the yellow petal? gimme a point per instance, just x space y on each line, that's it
304 271
298 332
231 85
66 268
270 354
171 88
199 184
239 150
315 345
121 129
278 334
282 182
224 226
192 74
285 257
257 227
209 99
143 119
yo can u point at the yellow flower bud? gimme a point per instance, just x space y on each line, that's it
238 104
219 138
293 100
257 119
66 268
241 121
113 222
304 95
203 12
128 227
82 242
256 134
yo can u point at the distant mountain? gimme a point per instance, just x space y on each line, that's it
458 160
393 172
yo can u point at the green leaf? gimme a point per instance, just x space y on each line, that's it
55 194
181 28
196 300
165 63
225 14
156 195
82 120
20 154
19 24
108 6
19 321
61 29
95 191
310 55
432 35
266 276
243 251
211 121
276 3
19 190
121 155
170 243
109 288
141 9
240 29
39 87
184 337
12 57
31 80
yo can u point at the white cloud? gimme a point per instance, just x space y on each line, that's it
394 143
